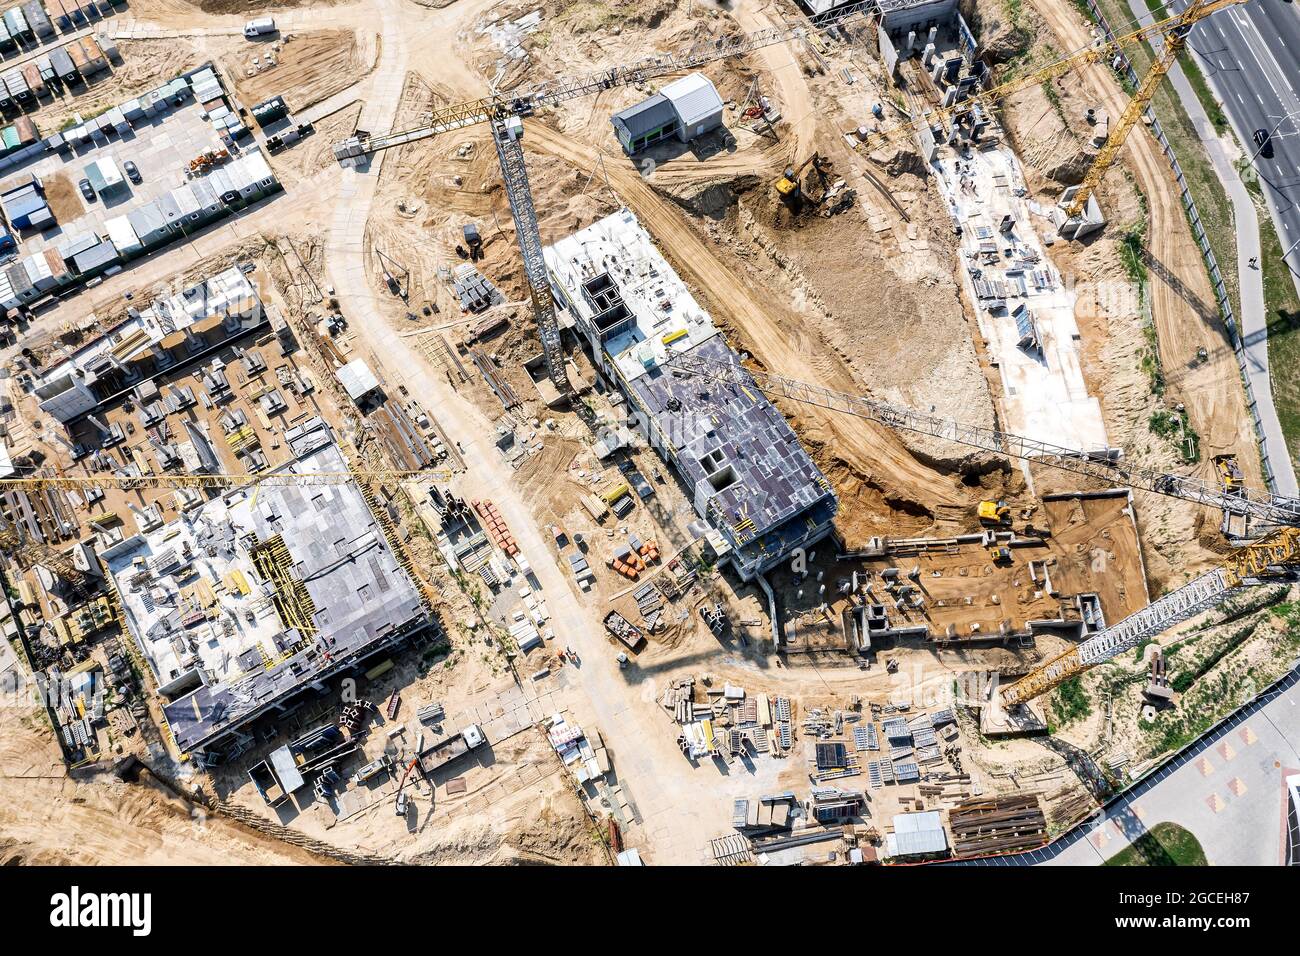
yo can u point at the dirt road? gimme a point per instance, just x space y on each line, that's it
781 66
1182 302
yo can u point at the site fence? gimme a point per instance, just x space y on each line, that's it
1202 240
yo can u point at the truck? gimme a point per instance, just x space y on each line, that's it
260 27
624 630
450 748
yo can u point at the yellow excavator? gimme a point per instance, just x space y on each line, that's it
994 513
790 186
1230 474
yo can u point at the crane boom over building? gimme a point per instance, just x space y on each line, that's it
1103 464
1278 552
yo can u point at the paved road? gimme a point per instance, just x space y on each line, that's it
1253 319
1251 56
1228 790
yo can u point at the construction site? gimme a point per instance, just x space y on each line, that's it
630 433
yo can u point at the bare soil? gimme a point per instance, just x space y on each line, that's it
63 196
145 65
309 67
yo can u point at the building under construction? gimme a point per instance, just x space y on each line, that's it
250 599
742 465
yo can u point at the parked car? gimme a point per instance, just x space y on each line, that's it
1265 143
132 172
87 190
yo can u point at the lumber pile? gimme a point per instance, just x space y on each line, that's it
997 825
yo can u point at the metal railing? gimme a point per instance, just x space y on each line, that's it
1221 297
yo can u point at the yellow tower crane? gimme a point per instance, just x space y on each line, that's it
1174 41
1171 30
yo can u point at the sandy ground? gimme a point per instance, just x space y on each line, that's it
145 64
50 817
309 67
777 287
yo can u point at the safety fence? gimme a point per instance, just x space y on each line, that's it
1203 241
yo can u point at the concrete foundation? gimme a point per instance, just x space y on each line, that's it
1079 227
1023 721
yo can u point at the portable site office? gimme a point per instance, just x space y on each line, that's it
17 24
37 19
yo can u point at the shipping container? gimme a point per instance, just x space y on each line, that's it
32 77
27 131
17 86
64 67
78 56
37 19
18 26
95 59
61 17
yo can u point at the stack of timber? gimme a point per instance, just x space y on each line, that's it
997 825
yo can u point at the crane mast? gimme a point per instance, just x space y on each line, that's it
506 133
505 112
1276 554
1175 39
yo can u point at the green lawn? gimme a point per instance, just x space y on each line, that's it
1165 844
1282 306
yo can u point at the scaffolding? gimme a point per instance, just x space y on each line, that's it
292 600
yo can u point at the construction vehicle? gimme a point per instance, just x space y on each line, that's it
1229 473
1276 554
383 764
506 111
790 186
450 748
208 159
1234 527
401 804
1000 554
994 513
